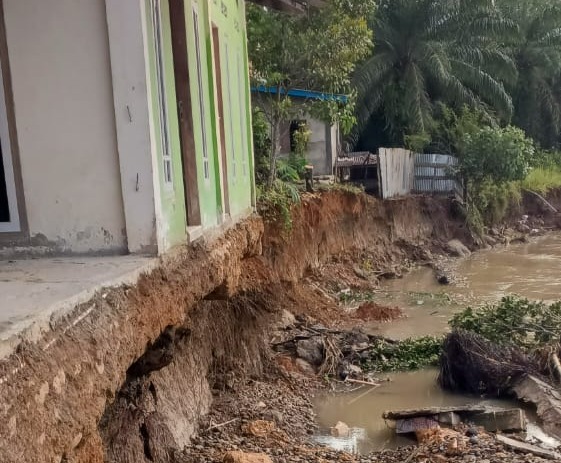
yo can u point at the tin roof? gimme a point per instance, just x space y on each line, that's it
357 159
304 94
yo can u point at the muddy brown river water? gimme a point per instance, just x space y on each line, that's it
531 270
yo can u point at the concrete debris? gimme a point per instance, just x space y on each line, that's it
490 419
528 448
420 423
340 430
546 398
513 420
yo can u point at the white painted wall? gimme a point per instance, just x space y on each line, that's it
125 21
61 74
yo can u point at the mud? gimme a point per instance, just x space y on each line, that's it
55 392
127 376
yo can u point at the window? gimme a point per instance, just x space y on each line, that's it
9 215
243 118
162 101
230 113
200 83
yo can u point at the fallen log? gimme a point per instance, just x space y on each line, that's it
528 448
547 400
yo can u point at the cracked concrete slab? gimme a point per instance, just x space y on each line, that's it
34 291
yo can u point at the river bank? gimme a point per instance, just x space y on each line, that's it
282 400
129 375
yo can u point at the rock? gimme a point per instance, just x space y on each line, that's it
340 430
472 432
494 232
305 367
457 248
286 319
274 415
242 457
258 428
443 279
311 350
523 228
360 272
347 369
489 240
261 405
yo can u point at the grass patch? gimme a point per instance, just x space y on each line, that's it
542 180
410 354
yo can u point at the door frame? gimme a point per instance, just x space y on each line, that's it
221 117
15 231
184 110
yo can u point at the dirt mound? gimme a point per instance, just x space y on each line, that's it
370 311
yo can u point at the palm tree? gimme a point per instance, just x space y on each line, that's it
428 51
537 53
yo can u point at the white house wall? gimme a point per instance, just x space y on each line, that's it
65 119
126 24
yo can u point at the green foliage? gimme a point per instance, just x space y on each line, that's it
546 159
542 180
417 142
497 154
451 127
493 161
492 201
287 171
536 51
428 52
515 321
317 51
261 146
410 354
301 140
275 203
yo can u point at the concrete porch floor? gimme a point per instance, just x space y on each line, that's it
32 291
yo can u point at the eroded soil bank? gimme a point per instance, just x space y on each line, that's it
131 376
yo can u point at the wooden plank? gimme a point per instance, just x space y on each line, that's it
184 109
221 117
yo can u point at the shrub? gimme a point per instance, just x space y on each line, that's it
496 154
514 321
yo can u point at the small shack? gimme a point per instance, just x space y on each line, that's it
360 168
395 172
325 138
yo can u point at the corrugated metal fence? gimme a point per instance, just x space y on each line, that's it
434 174
396 172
